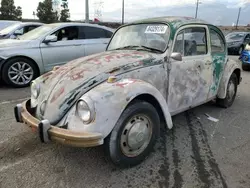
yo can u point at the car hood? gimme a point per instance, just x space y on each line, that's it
6 43
61 88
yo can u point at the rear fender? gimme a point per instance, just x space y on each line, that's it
231 67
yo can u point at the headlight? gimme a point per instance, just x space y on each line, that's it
85 111
35 90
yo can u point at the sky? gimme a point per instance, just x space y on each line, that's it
137 9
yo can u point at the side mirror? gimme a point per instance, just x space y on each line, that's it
176 56
50 38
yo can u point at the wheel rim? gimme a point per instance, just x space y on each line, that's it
231 90
136 135
20 73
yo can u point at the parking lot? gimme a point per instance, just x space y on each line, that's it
196 153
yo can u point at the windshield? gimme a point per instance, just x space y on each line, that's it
235 36
9 29
153 36
38 32
5 24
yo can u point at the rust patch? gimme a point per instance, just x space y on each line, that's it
78 75
57 94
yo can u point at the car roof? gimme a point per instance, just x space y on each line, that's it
31 23
80 24
174 21
14 21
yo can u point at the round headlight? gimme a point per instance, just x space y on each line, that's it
35 90
83 111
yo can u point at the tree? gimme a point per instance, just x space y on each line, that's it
45 12
8 11
19 13
65 15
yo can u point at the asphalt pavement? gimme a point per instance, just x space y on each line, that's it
197 152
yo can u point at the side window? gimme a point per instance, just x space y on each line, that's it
217 43
29 28
179 43
67 33
93 33
191 42
20 31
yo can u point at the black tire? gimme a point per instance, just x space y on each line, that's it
245 67
113 141
227 101
11 62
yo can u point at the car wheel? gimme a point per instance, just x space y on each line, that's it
134 134
19 72
231 92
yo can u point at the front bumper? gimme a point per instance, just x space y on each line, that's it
48 132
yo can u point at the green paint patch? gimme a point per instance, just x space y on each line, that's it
218 65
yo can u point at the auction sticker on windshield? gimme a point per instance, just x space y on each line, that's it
156 29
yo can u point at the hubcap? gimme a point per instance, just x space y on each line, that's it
136 135
231 90
20 73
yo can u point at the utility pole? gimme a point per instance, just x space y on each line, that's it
87 11
238 18
122 11
197 7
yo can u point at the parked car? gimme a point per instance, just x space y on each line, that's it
6 23
236 42
39 50
245 57
15 30
148 73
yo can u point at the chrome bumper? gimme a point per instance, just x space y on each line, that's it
48 132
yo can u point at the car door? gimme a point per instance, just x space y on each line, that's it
219 57
67 47
190 78
95 39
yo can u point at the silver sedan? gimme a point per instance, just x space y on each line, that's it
38 51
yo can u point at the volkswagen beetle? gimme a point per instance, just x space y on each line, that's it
151 70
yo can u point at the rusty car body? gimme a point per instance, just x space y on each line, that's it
152 69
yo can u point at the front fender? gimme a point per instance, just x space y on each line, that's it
110 100
230 67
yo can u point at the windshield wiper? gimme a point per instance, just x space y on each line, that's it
151 49
126 47
140 48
